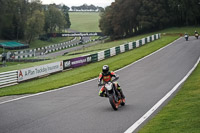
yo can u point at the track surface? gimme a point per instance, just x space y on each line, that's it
79 109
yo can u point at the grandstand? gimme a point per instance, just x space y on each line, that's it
13 45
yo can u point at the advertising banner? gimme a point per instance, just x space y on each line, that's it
76 34
33 72
76 62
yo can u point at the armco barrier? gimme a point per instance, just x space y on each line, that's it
8 78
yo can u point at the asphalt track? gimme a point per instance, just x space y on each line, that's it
79 109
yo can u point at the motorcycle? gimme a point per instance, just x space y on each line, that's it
186 37
197 35
114 95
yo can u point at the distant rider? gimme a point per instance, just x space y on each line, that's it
186 36
196 34
107 76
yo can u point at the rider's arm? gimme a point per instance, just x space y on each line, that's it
114 75
100 78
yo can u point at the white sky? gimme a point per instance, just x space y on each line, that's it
69 3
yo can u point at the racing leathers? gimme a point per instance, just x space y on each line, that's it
106 78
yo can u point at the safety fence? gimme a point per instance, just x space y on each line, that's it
14 77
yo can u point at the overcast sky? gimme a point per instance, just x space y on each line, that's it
69 3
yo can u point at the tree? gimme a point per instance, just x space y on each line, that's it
119 19
54 19
127 18
2 11
105 22
65 10
35 25
185 12
152 15
13 19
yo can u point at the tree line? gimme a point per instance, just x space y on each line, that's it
24 20
124 18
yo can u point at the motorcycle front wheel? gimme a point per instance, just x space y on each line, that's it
113 103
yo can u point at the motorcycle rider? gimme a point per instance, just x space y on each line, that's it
196 34
107 76
186 36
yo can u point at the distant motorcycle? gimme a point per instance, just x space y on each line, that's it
114 95
197 35
186 37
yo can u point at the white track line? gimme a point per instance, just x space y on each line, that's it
23 97
159 103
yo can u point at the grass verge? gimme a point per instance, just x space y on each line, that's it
182 113
84 73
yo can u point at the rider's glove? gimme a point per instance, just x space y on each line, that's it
99 84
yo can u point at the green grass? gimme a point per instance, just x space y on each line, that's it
84 73
84 21
12 63
182 113
39 43
182 30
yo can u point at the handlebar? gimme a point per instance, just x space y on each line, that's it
109 81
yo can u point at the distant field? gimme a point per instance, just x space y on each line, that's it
84 21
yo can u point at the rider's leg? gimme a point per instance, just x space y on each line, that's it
102 92
119 89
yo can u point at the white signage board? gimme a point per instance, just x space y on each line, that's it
33 72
